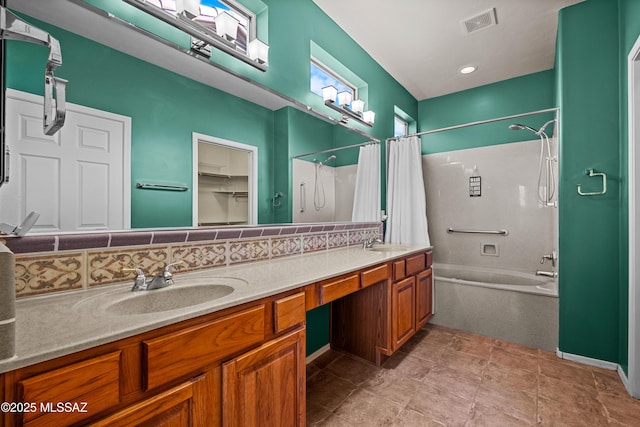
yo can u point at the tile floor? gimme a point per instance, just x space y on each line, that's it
449 377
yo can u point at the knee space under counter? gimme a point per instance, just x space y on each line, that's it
7 303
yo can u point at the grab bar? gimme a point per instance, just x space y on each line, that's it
303 196
501 232
161 187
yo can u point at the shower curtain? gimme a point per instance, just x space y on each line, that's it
366 200
406 204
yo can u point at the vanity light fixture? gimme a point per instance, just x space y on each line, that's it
226 26
223 38
258 51
344 99
188 8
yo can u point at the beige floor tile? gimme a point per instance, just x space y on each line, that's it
464 386
363 408
440 405
623 409
352 369
512 360
454 378
516 404
496 376
487 416
328 391
409 366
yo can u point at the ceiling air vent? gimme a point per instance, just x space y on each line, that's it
479 22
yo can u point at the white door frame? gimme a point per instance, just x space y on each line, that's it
253 173
633 378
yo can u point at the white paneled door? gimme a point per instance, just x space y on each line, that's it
77 179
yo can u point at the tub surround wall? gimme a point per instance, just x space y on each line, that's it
517 317
7 303
45 264
508 201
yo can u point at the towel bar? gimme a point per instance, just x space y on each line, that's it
501 232
592 172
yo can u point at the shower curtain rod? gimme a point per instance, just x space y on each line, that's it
331 150
481 122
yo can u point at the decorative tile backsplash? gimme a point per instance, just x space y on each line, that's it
45 264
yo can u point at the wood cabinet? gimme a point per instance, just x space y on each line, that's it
241 366
266 386
376 321
173 376
424 297
186 405
403 311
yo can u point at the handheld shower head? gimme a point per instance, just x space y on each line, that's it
518 126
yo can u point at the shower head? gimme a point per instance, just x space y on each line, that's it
331 157
518 126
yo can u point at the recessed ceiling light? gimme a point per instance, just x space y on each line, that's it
468 69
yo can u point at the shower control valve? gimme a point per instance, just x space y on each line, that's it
553 257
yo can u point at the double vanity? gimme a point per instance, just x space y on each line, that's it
222 346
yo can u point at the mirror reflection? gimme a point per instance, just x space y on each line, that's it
135 117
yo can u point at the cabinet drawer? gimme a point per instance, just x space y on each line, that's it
289 311
374 275
338 288
415 264
178 354
429 261
398 270
95 382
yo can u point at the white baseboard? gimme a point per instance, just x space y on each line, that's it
319 352
588 361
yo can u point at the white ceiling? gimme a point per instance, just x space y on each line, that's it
422 43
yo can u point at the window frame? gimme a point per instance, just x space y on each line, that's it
327 70
396 119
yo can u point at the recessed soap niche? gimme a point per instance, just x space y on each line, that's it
489 249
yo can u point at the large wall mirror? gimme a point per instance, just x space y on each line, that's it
150 97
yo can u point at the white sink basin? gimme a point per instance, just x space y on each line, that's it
169 298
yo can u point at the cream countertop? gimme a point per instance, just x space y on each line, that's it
52 326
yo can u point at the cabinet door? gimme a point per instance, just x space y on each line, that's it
187 405
403 311
266 386
424 292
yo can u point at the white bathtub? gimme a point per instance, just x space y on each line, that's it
508 305
496 279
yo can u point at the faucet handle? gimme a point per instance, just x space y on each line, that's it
169 267
140 283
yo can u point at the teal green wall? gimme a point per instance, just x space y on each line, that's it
629 17
588 72
532 92
165 108
318 326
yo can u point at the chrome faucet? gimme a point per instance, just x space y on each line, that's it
553 274
163 279
553 257
368 243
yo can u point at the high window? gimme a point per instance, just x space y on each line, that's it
400 126
322 76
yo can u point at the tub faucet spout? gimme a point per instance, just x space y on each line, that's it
553 274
